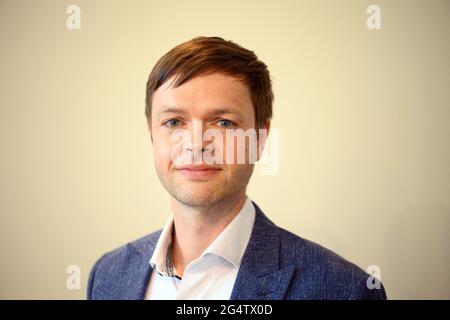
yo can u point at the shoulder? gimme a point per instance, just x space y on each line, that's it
115 258
325 273
108 270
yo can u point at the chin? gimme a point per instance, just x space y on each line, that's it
191 202
197 198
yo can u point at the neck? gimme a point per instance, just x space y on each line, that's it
196 228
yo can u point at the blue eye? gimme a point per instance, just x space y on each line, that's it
225 123
172 123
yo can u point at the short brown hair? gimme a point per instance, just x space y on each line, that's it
204 55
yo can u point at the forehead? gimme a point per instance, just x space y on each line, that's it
204 93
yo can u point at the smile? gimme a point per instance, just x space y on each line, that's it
198 171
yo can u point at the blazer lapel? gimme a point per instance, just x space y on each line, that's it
137 272
260 275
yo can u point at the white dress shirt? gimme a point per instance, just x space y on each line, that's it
212 275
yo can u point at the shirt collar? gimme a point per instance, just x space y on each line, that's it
230 244
161 255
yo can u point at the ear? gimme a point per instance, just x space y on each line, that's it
263 133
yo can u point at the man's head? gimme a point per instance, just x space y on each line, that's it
206 84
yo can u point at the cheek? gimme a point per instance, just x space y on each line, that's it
236 151
238 172
161 150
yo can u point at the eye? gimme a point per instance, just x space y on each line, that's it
171 123
224 123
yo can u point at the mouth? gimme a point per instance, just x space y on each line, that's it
198 171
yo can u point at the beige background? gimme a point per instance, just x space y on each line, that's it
363 118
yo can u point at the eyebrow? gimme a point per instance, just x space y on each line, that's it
216 111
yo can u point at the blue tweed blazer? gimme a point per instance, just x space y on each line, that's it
276 265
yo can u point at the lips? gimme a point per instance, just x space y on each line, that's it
198 167
198 171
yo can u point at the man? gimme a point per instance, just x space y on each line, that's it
217 244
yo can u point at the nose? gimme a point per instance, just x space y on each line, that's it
196 146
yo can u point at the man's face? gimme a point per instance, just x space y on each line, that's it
212 101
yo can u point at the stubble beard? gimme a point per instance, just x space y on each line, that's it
223 196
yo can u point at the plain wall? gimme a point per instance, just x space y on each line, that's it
363 117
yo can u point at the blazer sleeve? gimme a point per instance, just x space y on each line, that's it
90 288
